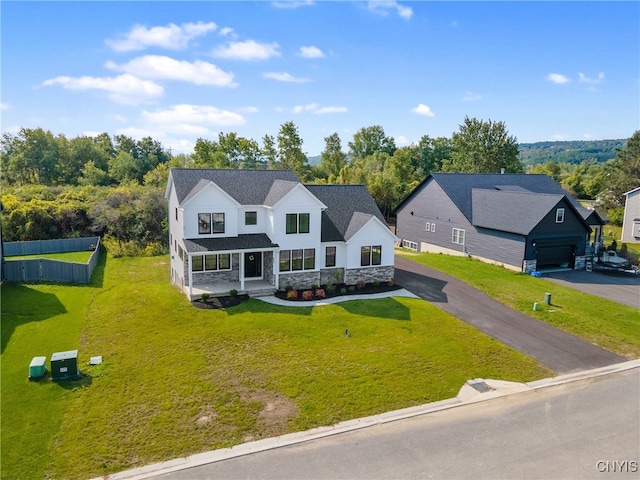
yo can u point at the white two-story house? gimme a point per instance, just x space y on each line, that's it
258 231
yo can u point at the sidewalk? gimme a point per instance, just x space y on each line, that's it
344 298
473 391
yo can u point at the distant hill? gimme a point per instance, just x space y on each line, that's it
570 152
314 160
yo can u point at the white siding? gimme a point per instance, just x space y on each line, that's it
373 233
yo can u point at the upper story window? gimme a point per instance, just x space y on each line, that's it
297 223
210 223
457 236
560 215
250 218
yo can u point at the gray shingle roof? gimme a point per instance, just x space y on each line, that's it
511 211
247 187
349 207
249 241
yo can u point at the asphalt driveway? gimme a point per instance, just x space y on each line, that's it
558 350
621 288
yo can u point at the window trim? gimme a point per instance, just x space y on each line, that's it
215 224
294 223
204 225
297 260
367 255
458 236
560 215
328 256
251 217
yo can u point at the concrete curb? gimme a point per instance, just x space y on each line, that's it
468 395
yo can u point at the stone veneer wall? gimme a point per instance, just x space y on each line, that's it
267 267
369 274
328 275
232 275
580 263
299 280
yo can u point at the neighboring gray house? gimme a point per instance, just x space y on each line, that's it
524 222
631 222
260 230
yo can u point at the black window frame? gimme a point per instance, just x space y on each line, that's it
251 217
328 256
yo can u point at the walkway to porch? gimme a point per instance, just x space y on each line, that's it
254 288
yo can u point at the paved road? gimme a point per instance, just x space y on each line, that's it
618 287
560 351
578 430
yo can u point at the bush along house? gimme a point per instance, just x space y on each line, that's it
523 222
258 231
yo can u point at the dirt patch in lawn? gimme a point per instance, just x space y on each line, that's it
276 411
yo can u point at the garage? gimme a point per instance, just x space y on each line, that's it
559 253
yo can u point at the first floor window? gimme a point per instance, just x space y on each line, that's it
224 261
298 259
410 245
309 258
457 236
211 262
196 263
330 257
285 260
370 255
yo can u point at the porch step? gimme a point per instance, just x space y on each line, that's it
263 292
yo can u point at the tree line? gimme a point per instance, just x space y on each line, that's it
57 187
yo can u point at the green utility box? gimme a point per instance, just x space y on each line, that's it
37 368
64 366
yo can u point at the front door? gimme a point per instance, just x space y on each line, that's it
253 265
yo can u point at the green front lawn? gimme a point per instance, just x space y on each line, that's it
177 380
611 325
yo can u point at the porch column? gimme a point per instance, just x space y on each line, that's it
241 272
276 269
190 276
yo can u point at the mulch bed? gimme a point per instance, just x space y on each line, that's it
350 290
219 302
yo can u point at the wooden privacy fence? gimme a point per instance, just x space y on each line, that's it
42 269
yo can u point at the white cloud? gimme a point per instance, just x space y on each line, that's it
285 77
384 7
558 78
247 50
172 36
582 78
401 140
4 106
423 109
226 31
558 137
316 109
125 88
162 67
248 109
293 4
192 118
311 52
471 97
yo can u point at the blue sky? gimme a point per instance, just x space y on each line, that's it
178 71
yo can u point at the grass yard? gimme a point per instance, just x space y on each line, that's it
608 324
177 380
75 257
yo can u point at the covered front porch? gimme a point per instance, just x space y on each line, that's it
217 266
253 288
